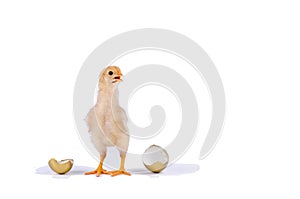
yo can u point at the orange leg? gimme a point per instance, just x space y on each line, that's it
122 169
99 169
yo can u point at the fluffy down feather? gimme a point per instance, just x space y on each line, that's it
107 120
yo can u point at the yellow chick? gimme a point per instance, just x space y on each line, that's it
107 121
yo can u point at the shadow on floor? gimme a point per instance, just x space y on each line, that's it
76 170
172 170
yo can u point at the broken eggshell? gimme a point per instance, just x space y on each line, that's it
61 167
155 158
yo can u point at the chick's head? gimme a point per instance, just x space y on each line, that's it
111 76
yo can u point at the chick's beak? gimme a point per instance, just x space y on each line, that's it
117 78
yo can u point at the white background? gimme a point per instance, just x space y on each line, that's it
254 44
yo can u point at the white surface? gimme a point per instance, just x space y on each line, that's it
255 46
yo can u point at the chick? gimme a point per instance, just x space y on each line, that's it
107 121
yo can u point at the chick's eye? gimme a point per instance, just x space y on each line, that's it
110 73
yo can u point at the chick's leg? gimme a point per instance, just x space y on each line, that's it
122 168
99 169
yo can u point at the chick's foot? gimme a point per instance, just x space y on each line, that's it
98 172
119 172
